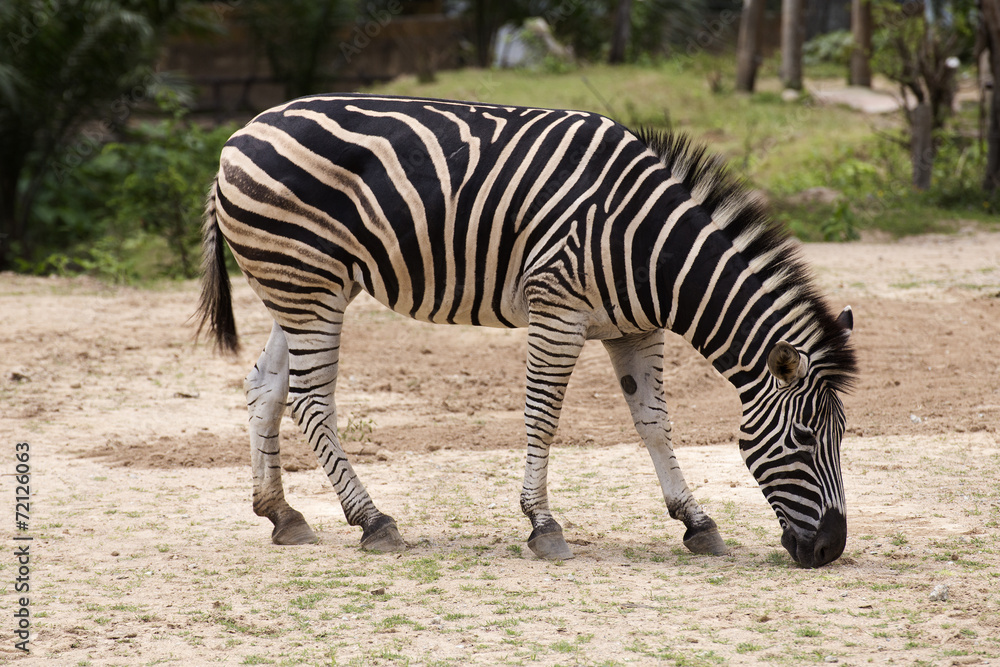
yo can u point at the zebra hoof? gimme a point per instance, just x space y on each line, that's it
550 546
383 537
706 541
293 529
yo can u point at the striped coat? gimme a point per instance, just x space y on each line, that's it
563 222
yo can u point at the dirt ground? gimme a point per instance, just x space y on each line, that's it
145 549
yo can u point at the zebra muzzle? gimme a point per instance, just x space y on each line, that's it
822 547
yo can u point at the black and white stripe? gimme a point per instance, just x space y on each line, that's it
563 222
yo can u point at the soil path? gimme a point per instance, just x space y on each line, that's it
145 549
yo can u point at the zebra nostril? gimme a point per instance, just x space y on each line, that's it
790 543
831 538
821 554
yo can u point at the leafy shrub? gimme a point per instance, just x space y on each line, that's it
832 48
133 211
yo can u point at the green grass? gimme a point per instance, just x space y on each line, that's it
782 147
761 135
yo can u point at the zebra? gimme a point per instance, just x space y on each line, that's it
564 222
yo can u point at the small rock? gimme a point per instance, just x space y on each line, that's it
915 419
790 95
19 377
939 594
816 195
437 620
831 658
378 591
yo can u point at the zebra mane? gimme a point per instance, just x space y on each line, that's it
763 242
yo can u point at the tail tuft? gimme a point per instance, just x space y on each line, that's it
215 307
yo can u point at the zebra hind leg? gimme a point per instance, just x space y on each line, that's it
638 363
314 352
266 388
552 354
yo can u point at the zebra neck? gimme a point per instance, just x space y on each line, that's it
733 316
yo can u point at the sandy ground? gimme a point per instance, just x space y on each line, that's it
144 549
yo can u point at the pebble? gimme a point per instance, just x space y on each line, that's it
831 658
939 594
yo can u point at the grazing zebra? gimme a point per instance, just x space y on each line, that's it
563 222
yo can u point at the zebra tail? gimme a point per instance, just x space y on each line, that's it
215 307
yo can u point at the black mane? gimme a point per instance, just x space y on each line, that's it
744 220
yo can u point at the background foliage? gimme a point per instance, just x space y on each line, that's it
104 171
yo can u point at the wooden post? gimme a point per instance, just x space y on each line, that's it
792 31
991 28
861 31
748 45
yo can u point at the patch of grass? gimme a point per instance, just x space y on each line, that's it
747 647
424 570
397 620
778 559
307 601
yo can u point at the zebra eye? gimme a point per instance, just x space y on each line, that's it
803 437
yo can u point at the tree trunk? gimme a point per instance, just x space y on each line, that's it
922 148
792 31
623 30
483 32
11 231
748 45
991 27
861 31
8 225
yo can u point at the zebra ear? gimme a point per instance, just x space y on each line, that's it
786 363
846 321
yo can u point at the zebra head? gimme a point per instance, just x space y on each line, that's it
790 441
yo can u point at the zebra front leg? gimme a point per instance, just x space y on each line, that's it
266 388
552 354
638 363
314 353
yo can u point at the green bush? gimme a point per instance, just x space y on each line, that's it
133 211
876 193
831 48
